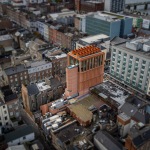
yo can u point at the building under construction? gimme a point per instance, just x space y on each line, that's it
85 69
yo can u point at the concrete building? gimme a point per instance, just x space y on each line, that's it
79 22
4 114
109 24
10 98
137 4
20 135
95 40
130 63
85 69
114 5
66 17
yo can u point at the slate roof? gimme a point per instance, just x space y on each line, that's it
8 94
139 137
133 111
142 117
107 141
15 70
32 89
128 109
19 132
11 97
117 40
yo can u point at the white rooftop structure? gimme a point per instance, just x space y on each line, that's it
5 37
61 56
94 38
43 86
110 90
54 16
39 66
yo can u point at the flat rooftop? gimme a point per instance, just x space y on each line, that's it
94 2
90 100
95 38
85 51
81 112
140 53
14 70
109 90
68 133
123 116
42 86
107 16
5 37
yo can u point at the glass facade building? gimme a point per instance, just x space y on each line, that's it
109 24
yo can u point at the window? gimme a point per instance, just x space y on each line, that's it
143 67
5 118
131 57
144 62
142 72
16 79
5 112
137 59
11 114
10 106
4 106
141 77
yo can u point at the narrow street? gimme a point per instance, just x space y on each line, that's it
26 118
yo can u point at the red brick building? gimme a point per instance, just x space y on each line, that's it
89 6
85 69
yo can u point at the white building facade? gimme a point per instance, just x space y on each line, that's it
131 65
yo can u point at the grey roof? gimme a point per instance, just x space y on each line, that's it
147 43
68 133
139 53
19 132
107 141
117 40
32 89
139 114
128 109
55 82
11 97
14 70
139 137
142 116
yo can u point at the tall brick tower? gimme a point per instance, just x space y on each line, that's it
77 5
85 69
